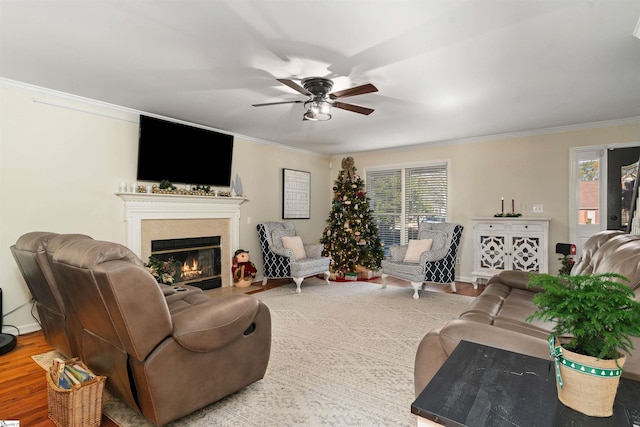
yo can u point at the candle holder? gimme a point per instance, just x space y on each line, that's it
511 214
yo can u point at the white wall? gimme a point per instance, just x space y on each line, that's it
60 166
531 170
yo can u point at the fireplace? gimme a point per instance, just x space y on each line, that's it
199 259
152 217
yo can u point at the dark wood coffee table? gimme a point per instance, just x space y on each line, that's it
485 386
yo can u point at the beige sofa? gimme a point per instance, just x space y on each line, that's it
498 316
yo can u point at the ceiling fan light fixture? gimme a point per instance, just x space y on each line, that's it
318 110
323 107
316 117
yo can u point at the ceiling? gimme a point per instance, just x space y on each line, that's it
446 70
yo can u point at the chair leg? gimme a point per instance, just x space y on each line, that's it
264 281
327 274
453 287
384 280
416 286
298 281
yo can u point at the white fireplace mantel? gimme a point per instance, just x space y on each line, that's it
142 206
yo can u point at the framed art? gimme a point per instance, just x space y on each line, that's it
296 187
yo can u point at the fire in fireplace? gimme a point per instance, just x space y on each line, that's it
199 256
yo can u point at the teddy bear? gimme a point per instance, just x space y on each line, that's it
242 269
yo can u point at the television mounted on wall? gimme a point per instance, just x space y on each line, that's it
183 154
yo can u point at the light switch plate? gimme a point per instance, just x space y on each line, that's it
538 209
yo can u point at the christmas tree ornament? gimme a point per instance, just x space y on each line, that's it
348 172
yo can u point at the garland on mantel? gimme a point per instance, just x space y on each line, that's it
181 191
165 187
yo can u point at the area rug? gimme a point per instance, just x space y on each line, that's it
342 355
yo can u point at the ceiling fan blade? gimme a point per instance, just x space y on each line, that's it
358 90
355 108
276 103
295 86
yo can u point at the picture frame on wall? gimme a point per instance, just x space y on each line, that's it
296 192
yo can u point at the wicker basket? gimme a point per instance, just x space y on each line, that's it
80 406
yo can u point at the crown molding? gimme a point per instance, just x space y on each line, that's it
509 135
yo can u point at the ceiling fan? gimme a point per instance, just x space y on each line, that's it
320 101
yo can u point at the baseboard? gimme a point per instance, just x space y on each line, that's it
464 279
24 329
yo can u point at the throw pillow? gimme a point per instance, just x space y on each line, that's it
295 244
415 248
279 233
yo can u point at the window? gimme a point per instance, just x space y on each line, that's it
589 191
402 198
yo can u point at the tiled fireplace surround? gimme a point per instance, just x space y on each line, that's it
153 217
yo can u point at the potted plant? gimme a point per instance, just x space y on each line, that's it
567 264
165 271
595 317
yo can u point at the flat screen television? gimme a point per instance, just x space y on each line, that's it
183 154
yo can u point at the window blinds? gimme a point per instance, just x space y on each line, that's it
384 189
425 196
402 198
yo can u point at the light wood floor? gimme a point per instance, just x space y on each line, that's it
23 388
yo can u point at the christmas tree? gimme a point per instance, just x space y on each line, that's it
351 238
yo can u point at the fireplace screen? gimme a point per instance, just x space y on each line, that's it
199 257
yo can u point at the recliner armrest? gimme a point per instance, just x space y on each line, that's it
514 279
167 290
214 322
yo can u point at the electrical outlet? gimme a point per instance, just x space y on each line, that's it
538 209
457 261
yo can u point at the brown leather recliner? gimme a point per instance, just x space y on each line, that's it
165 359
30 253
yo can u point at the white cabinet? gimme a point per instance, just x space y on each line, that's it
509 244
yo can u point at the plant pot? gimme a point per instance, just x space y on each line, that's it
589 385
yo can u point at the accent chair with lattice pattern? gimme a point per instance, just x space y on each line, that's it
285 255
429 258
